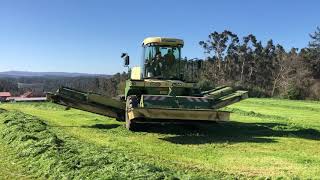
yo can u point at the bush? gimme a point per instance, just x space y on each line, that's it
205 85
257 92
315 90
295 92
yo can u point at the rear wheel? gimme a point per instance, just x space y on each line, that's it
132 102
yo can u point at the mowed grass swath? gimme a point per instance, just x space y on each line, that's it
265 138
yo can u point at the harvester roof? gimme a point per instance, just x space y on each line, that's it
163 41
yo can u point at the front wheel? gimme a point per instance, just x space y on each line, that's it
130 125
132 102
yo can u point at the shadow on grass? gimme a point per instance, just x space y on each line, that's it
102 126
95 126
229 132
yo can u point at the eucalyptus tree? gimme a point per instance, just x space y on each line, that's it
314 53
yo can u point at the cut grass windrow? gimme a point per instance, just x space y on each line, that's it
255 114
50 156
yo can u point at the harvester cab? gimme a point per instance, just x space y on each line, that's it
161 59
156 91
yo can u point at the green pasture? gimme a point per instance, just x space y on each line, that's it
265 138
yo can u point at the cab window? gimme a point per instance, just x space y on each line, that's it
161 62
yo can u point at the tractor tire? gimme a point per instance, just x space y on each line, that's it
132 102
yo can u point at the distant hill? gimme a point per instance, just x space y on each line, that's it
47 74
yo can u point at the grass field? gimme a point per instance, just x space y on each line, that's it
266 138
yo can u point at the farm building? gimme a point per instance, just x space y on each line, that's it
4 96
27 99
31 89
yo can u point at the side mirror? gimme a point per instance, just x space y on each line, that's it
126 59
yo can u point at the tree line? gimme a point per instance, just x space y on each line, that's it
265 70
109 86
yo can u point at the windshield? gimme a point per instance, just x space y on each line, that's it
161 62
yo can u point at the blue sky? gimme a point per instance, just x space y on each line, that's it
89 35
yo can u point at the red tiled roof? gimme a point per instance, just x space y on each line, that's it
27 94
5 94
